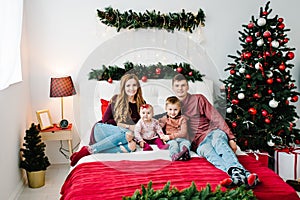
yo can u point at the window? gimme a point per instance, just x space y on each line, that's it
11 12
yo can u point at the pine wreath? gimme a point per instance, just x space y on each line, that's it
154 71
132 20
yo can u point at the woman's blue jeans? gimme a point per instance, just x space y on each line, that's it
177 144
216 150
109 138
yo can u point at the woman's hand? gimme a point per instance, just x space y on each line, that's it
142 143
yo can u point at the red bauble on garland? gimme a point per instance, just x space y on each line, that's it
233 124
157 71
190 73
144 78
281 67
267 34
250 25
264 113
110 80
280 20
232 71
179 69
267 121
249 39
235 101
281 26
269 81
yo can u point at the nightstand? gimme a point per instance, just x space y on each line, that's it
57 133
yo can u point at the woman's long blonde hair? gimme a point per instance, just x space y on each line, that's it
122 113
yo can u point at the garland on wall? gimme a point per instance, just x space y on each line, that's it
154 71
149 19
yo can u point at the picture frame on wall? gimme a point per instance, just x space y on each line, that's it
44 119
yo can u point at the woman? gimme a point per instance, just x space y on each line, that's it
115 132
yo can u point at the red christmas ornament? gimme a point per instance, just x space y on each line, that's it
249 39
190 73
252 111
157 71
232 72
247 55
280 20
256 96
294 98
267 34
144 78
179 69
248 76
110 80
292 85
270 91
290 55
297 141
264 113
250 25
234 124
287 102
235 101
264 13
286 40
281 26
267 121
269 81
281 67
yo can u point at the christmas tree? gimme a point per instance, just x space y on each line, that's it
260 90
34 158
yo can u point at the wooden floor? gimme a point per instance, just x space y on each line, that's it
55 177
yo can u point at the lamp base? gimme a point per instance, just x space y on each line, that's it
64 123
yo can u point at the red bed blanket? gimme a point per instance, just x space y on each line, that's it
114 179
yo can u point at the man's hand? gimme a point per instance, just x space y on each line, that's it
233 146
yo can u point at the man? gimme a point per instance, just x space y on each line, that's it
210 135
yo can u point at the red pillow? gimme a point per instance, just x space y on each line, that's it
104 104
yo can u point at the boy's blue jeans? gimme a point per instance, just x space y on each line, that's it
109 138
216 150
177 144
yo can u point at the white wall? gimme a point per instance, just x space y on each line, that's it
59 35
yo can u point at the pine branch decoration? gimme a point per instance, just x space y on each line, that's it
154 71
186 21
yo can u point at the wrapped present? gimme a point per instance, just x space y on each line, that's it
262 157
287 163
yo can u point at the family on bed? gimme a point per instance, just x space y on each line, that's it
190 123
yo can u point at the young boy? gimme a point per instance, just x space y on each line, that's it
175 126
148 131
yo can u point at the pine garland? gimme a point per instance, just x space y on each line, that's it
191 192
155 71
149 19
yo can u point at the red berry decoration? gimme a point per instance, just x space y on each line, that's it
248 76
144 78
286 40
110 80
267 121
256 96
264 113
269 81
179 69
290 55
249 39
281 26
294 98
281 67
280 20
265 13
157 71
235 101
250 25
278 80
247 55
252 111
190 73
270 91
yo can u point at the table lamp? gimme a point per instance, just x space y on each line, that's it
62 87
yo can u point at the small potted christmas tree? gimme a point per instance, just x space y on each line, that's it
34 160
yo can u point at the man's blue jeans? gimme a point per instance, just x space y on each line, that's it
216 150
109 138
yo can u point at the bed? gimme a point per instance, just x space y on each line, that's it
112 176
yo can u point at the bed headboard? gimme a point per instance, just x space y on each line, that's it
155 92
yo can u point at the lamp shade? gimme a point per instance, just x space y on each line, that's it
62 87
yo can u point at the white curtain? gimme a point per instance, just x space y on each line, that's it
11 12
